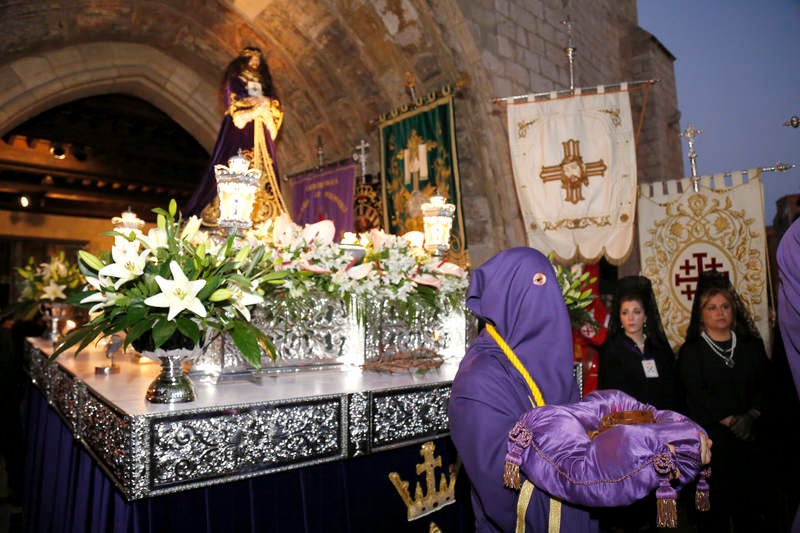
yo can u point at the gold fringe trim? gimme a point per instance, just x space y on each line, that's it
511 476
702 500
667 513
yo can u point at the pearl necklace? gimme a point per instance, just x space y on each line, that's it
721 351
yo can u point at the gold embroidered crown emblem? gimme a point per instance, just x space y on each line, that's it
434 499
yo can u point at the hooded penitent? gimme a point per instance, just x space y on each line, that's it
517 295
788 257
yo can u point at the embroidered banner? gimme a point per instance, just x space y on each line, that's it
418 159
721 227
325 194
574 163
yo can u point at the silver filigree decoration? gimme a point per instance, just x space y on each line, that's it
359 423
104 431
248 440
410 415
390 331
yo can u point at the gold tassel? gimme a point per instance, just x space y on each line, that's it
511 476
667 513
702 496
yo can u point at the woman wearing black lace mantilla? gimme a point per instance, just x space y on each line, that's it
722 368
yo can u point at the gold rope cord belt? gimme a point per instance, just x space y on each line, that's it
537 400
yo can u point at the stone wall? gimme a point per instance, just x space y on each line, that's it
521 48
339 65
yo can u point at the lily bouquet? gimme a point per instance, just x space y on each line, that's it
390 268
399 270
50 282
171 287
575 287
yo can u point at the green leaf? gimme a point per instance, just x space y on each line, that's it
162 331
245 337
137 310
189 328
138 329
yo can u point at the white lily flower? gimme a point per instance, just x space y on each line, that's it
414 239
129 247
427 279
243 299
155 238
283 230
101 300
53 291
378 237
450 269
359 271
178 293
319 233
190 228
127 264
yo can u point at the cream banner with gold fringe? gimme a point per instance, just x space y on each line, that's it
721 227
574 162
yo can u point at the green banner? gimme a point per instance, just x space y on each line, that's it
418 159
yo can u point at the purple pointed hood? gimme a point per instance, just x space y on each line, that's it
517 292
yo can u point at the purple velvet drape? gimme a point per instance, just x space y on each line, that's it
66 491
325 195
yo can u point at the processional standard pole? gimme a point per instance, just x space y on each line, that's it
570 50
689 134
320 152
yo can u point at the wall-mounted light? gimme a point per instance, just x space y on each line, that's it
24 201
58 151
128 221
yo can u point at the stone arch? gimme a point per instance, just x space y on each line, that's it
35 83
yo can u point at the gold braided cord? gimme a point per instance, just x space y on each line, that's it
538 399
554 520
523 501
263 162
525 494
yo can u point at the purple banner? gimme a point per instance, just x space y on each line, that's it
325 194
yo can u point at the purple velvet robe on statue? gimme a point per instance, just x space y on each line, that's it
229 140
517 292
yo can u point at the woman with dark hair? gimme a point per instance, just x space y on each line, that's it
722 368
636 357
252 119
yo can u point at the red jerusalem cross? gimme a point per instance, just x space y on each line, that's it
691 269
572 171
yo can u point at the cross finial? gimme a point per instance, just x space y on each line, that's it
361 156
410 84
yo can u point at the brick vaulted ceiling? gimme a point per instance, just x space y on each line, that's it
133 85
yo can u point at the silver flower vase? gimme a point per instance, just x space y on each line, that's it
53 313
172 385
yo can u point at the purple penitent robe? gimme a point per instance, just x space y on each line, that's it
517 292
788 257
